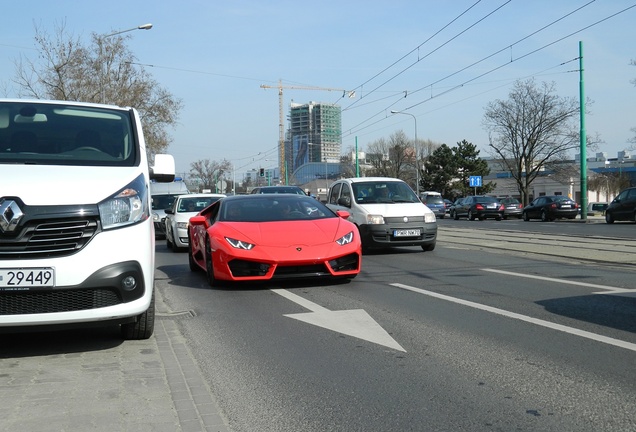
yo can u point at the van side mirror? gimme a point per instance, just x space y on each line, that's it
163 169
344 201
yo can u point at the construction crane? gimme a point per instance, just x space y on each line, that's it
282 166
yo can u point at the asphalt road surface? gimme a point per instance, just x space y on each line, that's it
505 326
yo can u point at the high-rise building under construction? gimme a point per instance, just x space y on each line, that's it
314 134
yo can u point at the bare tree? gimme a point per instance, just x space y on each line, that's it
392 158
104 71
533 127
206 173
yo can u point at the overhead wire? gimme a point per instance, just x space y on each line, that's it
455 87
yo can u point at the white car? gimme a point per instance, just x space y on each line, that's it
177 217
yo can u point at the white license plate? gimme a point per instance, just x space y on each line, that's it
566 206
406 233
26 278
491 206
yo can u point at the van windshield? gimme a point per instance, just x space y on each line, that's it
383 192
41 133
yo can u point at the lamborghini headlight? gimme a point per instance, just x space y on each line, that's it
345 239
239 244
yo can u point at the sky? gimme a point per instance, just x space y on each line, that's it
441 61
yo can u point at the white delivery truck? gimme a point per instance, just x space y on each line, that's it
76 233
162 196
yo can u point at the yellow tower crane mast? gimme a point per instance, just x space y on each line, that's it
282 166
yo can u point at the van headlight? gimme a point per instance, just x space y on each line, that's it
375 219
126 207
429 217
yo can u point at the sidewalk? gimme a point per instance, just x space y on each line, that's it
90 380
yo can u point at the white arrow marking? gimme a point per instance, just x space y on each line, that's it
356 322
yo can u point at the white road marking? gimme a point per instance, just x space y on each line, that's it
357 322
565 329
610 289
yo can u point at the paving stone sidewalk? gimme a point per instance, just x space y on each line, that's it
90 380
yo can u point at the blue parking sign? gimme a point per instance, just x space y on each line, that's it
475 181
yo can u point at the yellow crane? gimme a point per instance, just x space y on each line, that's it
282 166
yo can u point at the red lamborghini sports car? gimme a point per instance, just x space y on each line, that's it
272 236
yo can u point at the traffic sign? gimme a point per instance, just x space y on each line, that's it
475 181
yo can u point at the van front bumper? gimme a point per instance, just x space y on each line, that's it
115 291
382 236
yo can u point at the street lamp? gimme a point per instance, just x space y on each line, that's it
141 27
417 162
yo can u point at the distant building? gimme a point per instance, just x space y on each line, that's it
314 134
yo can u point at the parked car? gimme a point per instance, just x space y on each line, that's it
512 207
76 233
435 203
177 217
453 206
623 207
479 207
447 203
386 211
550 207
272 236
278 190
596 208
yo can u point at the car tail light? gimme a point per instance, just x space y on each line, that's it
553 205
520 206
479 207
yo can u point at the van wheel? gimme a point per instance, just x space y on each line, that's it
609 218
143 327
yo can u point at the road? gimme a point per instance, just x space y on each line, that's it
472 336
509 325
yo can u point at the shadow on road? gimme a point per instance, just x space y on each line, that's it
613 311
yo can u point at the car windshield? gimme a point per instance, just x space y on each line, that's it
383 192
510 201
162 202
272 209
485 199
281 190
46 134
195 204
434 200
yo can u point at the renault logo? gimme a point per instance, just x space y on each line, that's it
405 219
10 215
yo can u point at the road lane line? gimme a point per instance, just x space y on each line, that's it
565 329
563 281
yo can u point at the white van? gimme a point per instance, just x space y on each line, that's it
162 197
76 235
386 211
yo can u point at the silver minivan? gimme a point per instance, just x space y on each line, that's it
386 211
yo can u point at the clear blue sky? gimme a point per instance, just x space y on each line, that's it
214 55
